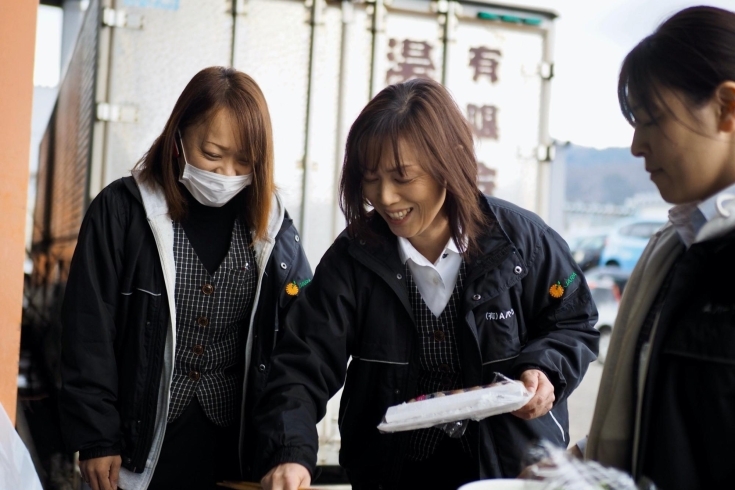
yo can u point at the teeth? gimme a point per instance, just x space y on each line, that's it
399 215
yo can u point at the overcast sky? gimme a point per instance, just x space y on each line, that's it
592 38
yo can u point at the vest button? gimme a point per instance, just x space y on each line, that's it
284 266
399 276
439 335
446 384
203 321
207 289
198 349
518 269
261 368
194 375
477 297
444 368
297 238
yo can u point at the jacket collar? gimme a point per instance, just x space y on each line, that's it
385 252
154 203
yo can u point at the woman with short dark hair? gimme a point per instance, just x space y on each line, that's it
174 297
667 396
432 287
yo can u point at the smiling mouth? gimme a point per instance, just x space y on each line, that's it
399 215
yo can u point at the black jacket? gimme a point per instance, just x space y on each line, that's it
358 306
115 319
687 423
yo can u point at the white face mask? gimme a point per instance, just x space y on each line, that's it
209 188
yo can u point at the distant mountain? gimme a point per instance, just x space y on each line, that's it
603 176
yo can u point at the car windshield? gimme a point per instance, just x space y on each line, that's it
602 295
592 242
641 230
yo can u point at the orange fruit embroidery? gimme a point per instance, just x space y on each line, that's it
292 289
556 290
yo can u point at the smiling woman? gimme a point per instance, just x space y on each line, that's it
432 287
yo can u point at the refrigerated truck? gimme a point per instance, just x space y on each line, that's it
318 63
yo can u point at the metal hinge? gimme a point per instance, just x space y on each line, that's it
546 70
120 18
116 113
238 7
545 153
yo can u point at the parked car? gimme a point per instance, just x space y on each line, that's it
606 287
626 242
587 250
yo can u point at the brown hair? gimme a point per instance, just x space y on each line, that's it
210 90
422 113
692 52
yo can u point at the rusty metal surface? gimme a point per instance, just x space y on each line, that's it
64 160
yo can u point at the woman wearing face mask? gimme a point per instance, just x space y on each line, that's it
432 287
175 296
667 396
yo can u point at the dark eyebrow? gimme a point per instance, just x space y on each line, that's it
223 148
402 168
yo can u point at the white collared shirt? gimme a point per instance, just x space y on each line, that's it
435 281
689 218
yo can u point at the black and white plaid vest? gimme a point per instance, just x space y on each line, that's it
212 317
439 365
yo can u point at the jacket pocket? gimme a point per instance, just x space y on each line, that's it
497 325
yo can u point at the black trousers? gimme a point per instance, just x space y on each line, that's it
447 469
196 453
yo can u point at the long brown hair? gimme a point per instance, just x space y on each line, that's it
210 90
422 113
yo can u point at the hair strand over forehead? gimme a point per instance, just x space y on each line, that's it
419 113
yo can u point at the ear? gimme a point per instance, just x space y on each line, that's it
725 97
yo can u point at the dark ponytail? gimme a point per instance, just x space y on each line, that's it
692 52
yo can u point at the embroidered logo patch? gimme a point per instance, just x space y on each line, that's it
570 279
556 290
494 315
293 288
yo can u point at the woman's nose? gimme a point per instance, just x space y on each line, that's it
228 168
637 146
387 194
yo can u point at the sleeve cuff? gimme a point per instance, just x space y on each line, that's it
293 455
99 452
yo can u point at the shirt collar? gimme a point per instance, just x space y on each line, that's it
689 218
407 251
708 207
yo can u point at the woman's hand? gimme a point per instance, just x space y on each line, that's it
287 476
539 385
101 473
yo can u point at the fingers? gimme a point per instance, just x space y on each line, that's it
543 395
530 379
288 476
102 480
101 473
115 472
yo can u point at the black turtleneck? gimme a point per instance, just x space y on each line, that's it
209 229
